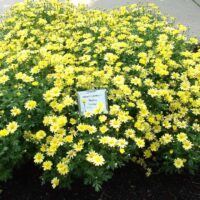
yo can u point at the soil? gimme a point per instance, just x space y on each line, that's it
128 183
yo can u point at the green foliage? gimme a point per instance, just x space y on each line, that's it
11 156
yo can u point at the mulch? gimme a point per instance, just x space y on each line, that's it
128 183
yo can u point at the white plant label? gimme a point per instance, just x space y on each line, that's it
90 100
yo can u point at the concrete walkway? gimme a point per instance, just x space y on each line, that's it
187 12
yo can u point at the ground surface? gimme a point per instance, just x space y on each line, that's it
187 12
128 183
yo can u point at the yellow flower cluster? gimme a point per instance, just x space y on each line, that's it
10 128
148 67
113 142
95 158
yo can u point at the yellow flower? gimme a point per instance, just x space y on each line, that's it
55 182
98 160
114 109
149 136
115 123
112 141
103 129
104 140
62 168
122 151
15 111
35 83
130 133
95 158
136 81
122 143
4 79
179 163
61 120
47 165
148 172
187 145
40 135
72 121
110 58
38 158
99 108
193 40
154 146
140 142
165 139
149 43
92 129
171 151
118 80
30 105
71 154
78 147
181 137
147 153
82 127
42 21
68 139
68 101
12 127
4 133
88 114
102 118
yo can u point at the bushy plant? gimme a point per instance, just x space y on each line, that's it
11 154
50 50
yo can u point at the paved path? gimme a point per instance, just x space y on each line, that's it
187 12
